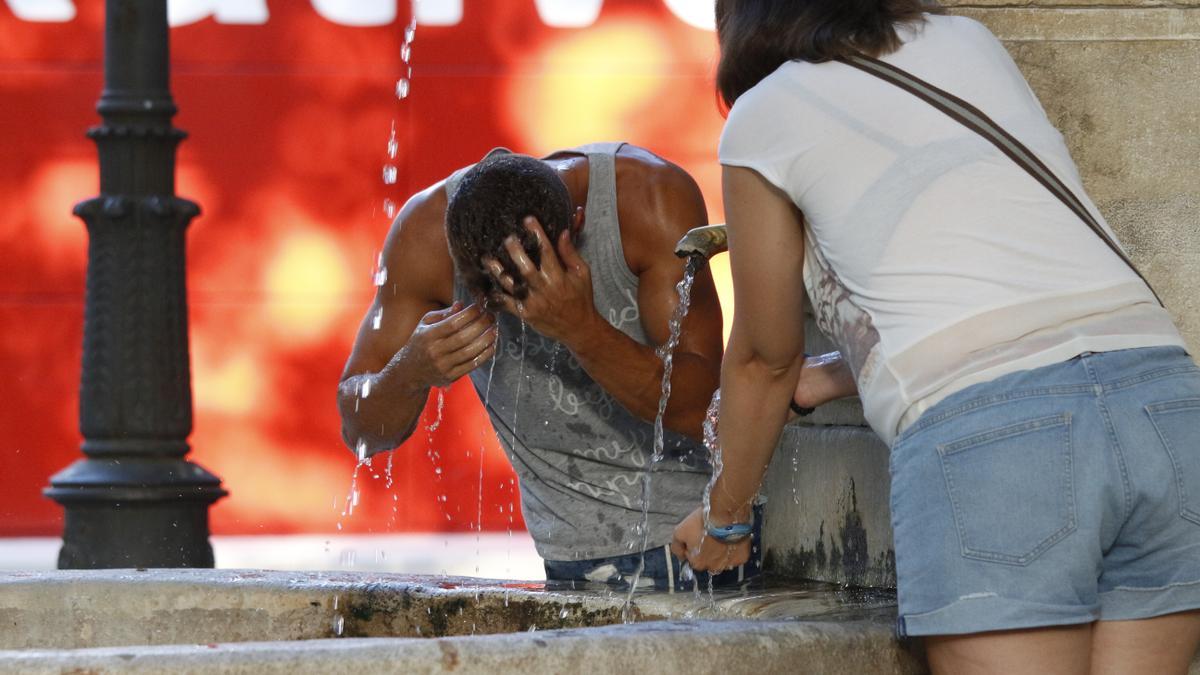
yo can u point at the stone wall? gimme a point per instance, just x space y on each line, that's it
1121 80
827 514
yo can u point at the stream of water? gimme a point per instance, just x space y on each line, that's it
379 278
666 352
711 421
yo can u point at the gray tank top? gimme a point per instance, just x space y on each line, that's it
579 454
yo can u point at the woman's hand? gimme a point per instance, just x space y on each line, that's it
705 554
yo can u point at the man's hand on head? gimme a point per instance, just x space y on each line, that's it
559 302
449 343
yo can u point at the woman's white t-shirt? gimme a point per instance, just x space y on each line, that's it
932 259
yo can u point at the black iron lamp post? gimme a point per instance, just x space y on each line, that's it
135 501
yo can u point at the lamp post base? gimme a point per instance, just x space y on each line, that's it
154 515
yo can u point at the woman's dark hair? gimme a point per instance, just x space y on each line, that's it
758 36
491 202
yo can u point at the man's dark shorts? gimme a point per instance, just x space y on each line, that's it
662 570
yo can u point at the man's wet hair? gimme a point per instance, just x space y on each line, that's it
492 201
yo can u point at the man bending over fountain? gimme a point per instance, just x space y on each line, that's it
551 283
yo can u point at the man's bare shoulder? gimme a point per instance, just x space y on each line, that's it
640 167
657 200
416 244
423 215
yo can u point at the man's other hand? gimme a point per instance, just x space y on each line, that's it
449 343
559 304
823 379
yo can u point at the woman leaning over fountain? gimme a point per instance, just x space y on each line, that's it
1043 416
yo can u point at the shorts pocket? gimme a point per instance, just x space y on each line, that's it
1012 489
1178 425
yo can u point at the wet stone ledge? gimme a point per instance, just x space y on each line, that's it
205 621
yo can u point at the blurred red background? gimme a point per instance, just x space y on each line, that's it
289 119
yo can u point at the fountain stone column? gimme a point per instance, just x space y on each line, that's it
134 500
828 489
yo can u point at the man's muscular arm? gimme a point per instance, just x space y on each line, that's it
658 203
652 223
410 339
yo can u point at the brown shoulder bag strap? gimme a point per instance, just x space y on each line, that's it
975 120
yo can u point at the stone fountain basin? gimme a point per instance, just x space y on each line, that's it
249 621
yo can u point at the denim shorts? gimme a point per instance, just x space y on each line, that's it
662 571
1061 495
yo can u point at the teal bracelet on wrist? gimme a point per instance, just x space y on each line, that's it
732 533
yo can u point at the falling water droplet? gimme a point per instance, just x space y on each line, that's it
405 52
389 208
361 449
402 88
393 145
795 470
378 320
390 173
366 388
